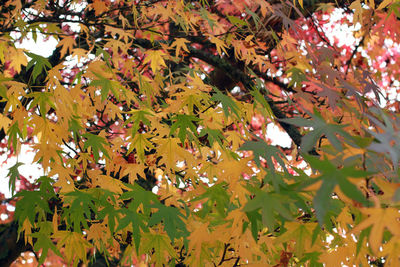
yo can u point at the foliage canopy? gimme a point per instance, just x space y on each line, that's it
150 121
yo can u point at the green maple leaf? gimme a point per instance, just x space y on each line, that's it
320 127
161 244
97 144
138 196
296 77
258 97
236 21
13 133
261 149
228 105
171 218
46 187
271 204
137 117
138 212
44 243
13 175
42 99
29 204
332 176
40 64
217 197
112 215
74 126
80 209
184 122
3 88
212 135
107 85
136 220
255 222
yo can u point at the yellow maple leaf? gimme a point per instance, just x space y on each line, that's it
17 59
199 237
26 228
358 10
3 50
99 233
133 169
105 181
220 44
99 7
379 219
47 153
74 243
79 52
155 57
180 43
64 180
4 122
66 44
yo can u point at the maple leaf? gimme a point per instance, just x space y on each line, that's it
42 99
217 197
67 44
4 123
133 170
137 117
332 176
358 10
110 214
107 85
297 77
155 57
236 21
171 151
299 232
227 102
270 205
180 43
44 243
184 122
199 238
40 64
384 141
379 219
31 203
220 44
99 7
13 175
171 217
262 150
64 180
98 232
137 221
138 212
18 59
75 246
81 204
139 198
140 143
320 127
212 135
96 143
161 245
